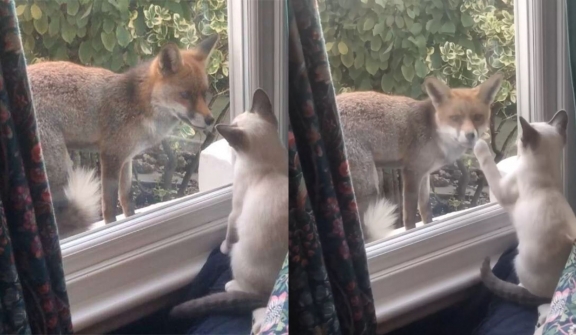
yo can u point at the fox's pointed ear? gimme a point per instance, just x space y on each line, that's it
262 106
204 49
235 137
488 90
560 122
530 136
169 59
437 91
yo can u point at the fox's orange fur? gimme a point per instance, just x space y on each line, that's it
417 136
117 115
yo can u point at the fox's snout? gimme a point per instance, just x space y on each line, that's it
209 119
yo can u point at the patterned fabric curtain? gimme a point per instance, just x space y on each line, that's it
33 298
562 315
329 281
276 320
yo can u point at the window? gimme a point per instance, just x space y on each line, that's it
180 212
117 36
391 47
419 272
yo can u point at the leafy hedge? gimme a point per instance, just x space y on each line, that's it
392 45
116 34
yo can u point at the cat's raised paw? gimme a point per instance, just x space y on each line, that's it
481 148
225 248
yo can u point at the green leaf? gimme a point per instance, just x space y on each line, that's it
390 21
411 13
108 40
342 48
416 28
369 23
421 68
72 7
48 42
87 12
54 26
438 3
387 83
467 20
379 28
399 22
61 53
97 44
20 10
407 72
68 31
448 27
347 59
433 26
41 25
376 43
85 52
36 12
123 36
108 26
372 66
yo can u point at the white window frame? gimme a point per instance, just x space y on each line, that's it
119 273
416 271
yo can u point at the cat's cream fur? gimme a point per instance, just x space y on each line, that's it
257 234
532 194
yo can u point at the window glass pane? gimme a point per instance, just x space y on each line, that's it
134 102
390 47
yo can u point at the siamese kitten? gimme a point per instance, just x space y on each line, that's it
257 234
544 222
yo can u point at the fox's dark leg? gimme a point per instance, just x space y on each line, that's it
125 189
424 199
110 166
410 190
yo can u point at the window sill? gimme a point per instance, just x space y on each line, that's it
415 269
129 264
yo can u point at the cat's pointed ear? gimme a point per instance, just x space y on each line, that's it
560 122
235 137
530 136
262 106
488 90
437 91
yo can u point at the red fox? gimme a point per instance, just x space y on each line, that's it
117 115
418 137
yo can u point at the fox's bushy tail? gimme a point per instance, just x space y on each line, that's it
83 202
379 219
233 302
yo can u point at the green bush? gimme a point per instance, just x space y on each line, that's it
117 34
392 45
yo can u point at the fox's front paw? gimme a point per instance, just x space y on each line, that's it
481 149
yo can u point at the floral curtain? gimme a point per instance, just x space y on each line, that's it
33 298
562 315
329 281
276 320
